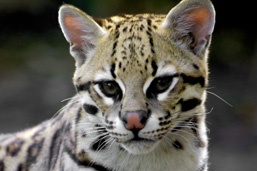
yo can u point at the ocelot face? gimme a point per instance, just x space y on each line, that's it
140 76
140 99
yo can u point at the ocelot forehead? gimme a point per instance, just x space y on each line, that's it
133 46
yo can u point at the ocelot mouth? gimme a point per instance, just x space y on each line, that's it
139 145
142 140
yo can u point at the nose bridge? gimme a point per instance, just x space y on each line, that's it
134 99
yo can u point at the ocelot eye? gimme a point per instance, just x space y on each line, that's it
162 84
159 85
110 88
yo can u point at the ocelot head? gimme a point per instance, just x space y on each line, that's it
141 75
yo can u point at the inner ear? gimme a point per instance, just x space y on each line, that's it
201 25
75 31
191 24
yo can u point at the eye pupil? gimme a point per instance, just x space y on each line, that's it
163 84
110 87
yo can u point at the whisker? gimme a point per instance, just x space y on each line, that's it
185 132
66 99
102 145
220 98
58 112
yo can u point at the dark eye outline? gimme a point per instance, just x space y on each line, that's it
103 87
162 84
153 89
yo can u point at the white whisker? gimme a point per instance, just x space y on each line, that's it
220 98
66 99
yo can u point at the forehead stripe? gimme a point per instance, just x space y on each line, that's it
155 67
112 70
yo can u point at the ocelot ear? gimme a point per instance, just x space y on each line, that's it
81 31
191 24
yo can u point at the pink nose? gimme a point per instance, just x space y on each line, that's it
133 121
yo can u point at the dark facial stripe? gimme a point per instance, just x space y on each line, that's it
117 35
155 67
90 109
189 104
112 70
14 147
193 80
177 145
148 32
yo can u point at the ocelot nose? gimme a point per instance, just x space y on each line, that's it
135 120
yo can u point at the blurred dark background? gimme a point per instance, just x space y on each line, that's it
36 70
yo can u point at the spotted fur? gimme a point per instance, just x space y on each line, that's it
141 87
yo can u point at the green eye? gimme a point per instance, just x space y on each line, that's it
162 84
110 88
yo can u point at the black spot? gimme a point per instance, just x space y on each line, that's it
117 27
196 66
151 41
83 87
155 67
20 167
14 147
125 29
101 142
112 70
193 80
120 65
90 109
33 152
189 104
177 145
164 123
114 45
149 22
2 167
113 53
148 33
141 27
168 115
